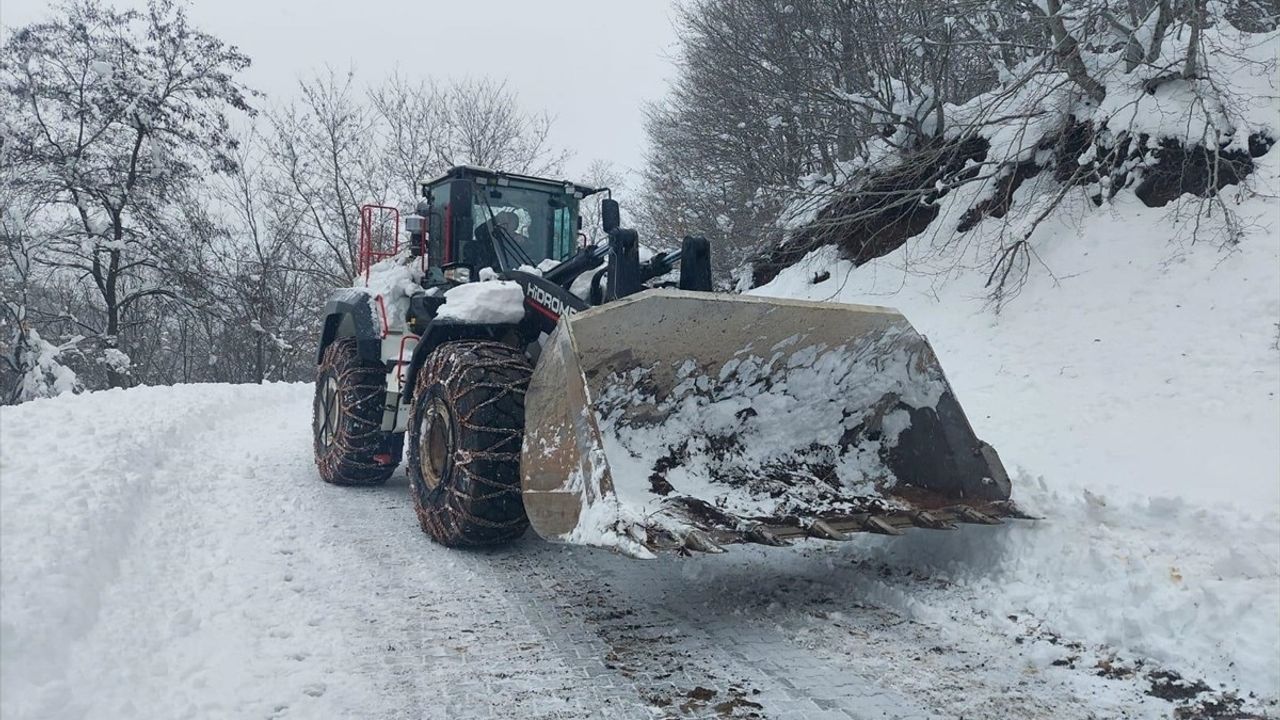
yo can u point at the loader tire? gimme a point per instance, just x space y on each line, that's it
346 421
465 429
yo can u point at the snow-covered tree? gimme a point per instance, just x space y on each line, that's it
41 367
113 117
30 366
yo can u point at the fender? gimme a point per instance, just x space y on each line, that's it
350 314
439 332
544 303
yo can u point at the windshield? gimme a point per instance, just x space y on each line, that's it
540 223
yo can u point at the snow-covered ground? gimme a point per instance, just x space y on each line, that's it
170 553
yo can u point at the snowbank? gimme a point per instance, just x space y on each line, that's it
395 280
1154 136
70 514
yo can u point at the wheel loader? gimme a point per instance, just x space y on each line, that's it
607 396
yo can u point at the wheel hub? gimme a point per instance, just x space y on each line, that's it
435 443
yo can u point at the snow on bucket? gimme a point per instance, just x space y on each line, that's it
675 419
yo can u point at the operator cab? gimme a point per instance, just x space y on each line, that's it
478 218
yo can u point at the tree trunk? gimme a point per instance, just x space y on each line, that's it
111 299
261 360
1067 49
1193 46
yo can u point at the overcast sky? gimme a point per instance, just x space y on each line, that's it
590 63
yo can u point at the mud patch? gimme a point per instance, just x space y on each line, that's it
1191 698
706 702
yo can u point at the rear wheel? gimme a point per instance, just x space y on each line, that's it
346 424
465 429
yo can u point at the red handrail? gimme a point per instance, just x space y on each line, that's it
400 361
367 254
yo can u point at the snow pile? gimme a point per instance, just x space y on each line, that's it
118 361
487 301
152 564
1135 381
791 428
1191 587
69 513
395 280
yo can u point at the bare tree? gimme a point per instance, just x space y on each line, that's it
324 165
603 174
415 131
487 128
267 292
331 152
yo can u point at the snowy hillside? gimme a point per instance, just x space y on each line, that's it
1134 383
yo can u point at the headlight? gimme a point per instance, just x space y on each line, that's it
458 274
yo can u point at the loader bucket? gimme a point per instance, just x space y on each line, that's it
678 420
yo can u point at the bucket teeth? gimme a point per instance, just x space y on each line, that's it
969 515
1007 508
698 541
927 520
821 529
880 526
764 536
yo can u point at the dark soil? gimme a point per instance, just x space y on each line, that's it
1193 699
1169 685
879 215
674 458
883 210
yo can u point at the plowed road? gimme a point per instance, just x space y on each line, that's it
213 575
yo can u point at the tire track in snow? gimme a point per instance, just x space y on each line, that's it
447 638
695 660
109 496
545 631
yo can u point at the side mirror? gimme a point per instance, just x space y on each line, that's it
610 215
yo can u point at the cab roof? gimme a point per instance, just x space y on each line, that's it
487 175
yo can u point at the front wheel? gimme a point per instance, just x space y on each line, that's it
346 425
465 429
